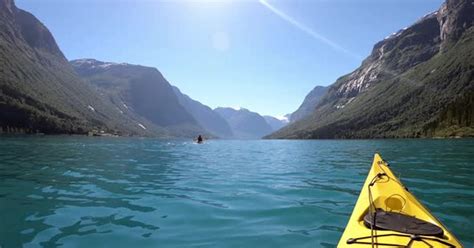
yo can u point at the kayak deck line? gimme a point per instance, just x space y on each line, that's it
386 214
412 238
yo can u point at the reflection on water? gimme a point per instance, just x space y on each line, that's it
96 192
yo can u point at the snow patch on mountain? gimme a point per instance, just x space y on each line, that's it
107 65
94 64
91 108
283 118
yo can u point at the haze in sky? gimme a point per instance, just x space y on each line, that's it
261 55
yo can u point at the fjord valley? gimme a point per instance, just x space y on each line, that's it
236 123
417 82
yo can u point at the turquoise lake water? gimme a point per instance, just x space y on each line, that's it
119 192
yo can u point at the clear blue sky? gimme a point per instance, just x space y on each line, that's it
261 55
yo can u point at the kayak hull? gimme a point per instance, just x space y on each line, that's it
383 191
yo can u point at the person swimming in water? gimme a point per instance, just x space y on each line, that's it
199 139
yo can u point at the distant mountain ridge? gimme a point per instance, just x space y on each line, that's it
244 123
205 116
275 123
418 82
140 92
144 95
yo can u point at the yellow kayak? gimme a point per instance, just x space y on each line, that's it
388 215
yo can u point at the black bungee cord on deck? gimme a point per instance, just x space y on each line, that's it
373 216
372 207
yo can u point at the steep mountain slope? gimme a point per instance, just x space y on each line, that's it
39 91
244 123
418 82
140 92
275 123
309 104
205 116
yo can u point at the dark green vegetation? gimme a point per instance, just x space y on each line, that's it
418 82
140 92
39 90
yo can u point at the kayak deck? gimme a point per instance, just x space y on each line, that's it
386 214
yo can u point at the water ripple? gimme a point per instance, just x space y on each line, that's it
88 192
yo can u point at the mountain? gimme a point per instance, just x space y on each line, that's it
205 116
244 123
141 93
275 123
39 90
309 103
418 82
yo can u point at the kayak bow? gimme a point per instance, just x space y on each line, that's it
388 215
